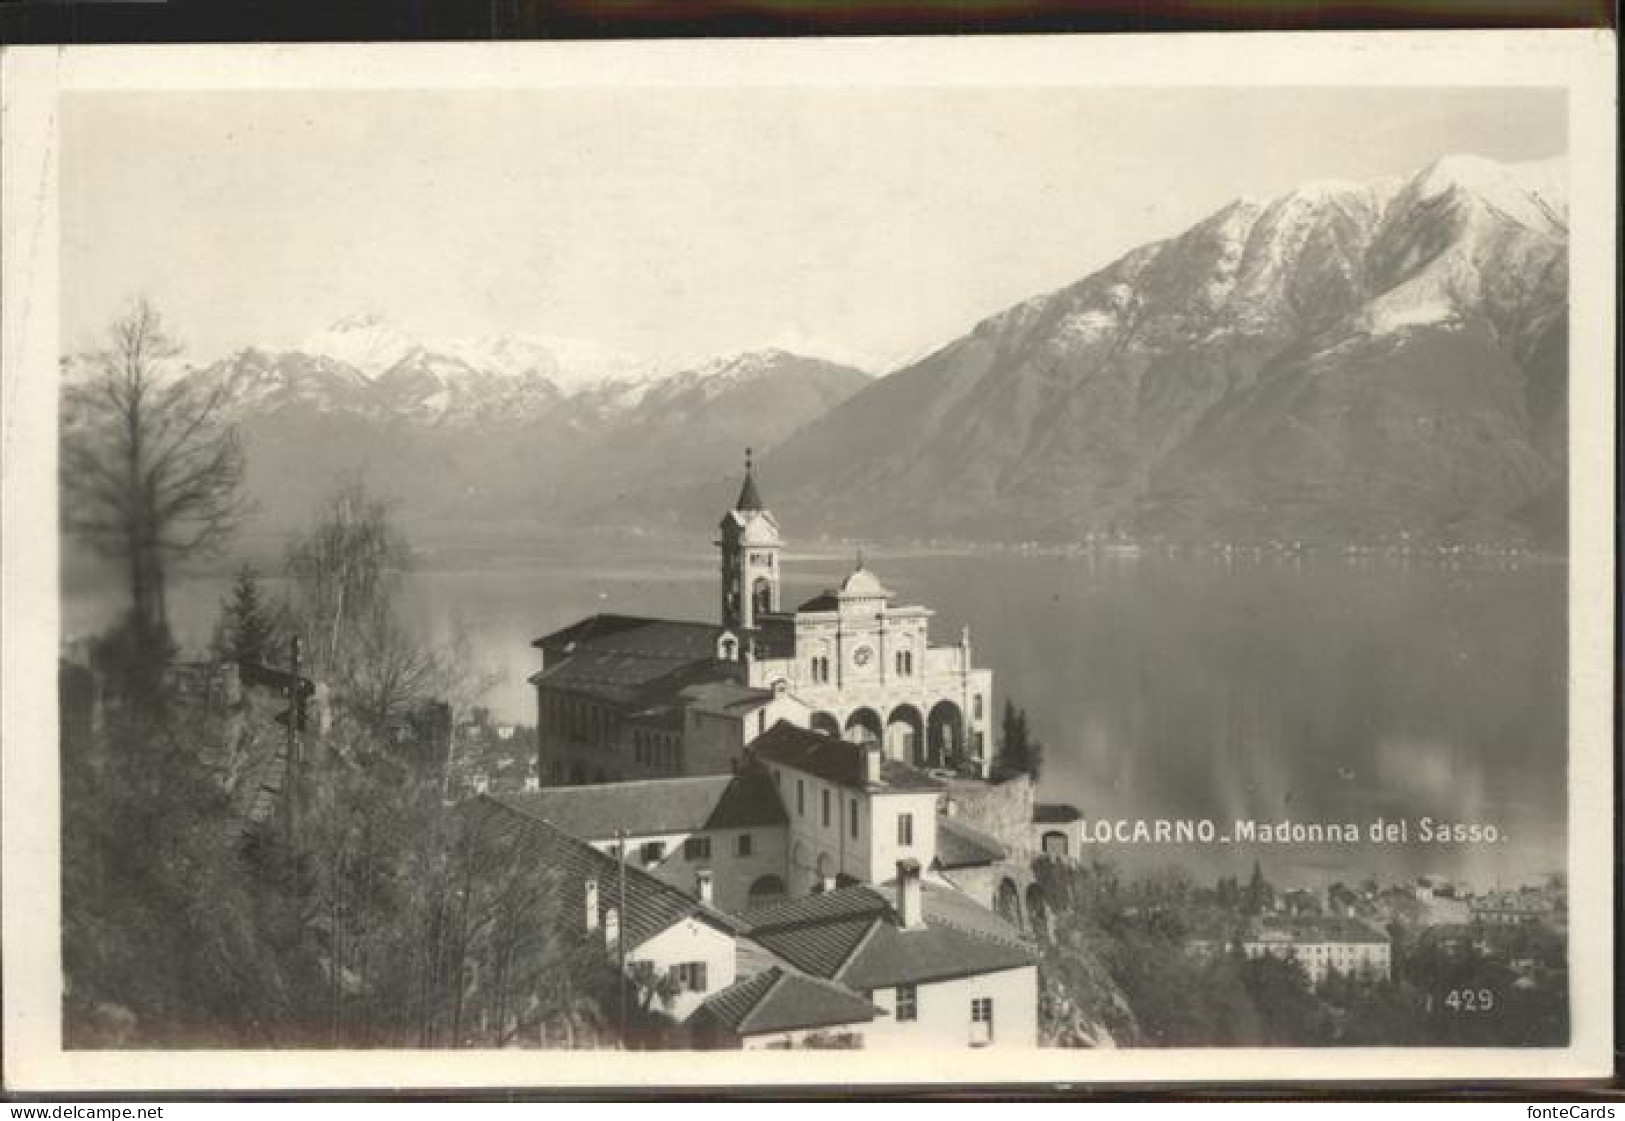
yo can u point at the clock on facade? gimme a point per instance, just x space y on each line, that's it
861 656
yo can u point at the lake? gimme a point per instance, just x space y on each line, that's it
1311 690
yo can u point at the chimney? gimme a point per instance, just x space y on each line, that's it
910 904
871 764
702 886
591 891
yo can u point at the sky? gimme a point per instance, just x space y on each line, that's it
869 223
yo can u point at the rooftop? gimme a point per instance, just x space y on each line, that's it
781 1000
651 806
652 906
650 664
834 760
862 584
1054 813
961 845
853 935
1316 928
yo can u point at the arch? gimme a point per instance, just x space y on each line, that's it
761 596
824 874
945 734
1007 902
1056 844
863 726
1035 905
905 734
765 891
827 723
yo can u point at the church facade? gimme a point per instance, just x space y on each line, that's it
623 697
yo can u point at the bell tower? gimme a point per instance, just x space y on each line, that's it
749 539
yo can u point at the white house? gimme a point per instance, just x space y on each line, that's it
852 812
946 971
720 838
669 934
1321 944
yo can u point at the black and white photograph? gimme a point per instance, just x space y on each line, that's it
986 567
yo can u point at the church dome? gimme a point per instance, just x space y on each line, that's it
862 584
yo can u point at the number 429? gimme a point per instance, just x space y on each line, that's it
1470 1000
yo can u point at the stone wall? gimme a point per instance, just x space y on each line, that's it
1003 809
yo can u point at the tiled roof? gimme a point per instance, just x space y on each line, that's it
852 935
819 948
635 635
1054 813
823 601
646 664
855 902
779 1000
959 938
960 845
667 805
833 760
651 905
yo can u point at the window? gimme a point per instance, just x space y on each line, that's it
981 1012
690 976
697 848
824 808
906 1006
852 815
801 799
742 845
905 830
976 705
905 663
652 851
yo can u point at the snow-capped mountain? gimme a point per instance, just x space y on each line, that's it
366 343
1347 360
516 428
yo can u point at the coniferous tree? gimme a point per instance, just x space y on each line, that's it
1018 752
246 631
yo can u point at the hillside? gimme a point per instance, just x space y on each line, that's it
1345 362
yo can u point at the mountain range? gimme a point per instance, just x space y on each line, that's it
1344 362
1348 361
512 432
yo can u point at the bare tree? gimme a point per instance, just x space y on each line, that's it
150 471
346 570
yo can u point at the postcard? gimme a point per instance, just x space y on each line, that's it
1010 560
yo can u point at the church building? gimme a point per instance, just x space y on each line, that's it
624 697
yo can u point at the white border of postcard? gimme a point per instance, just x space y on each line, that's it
33 79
